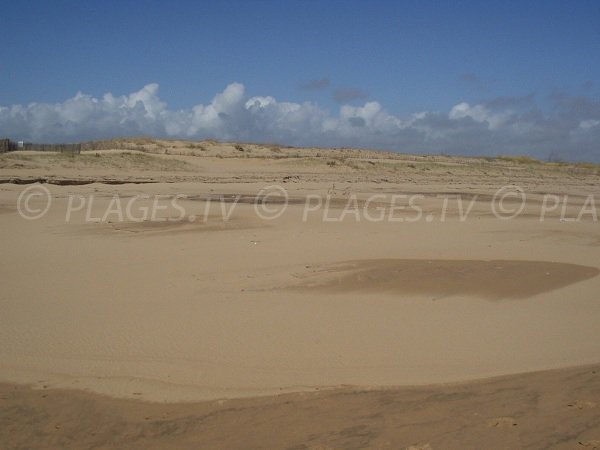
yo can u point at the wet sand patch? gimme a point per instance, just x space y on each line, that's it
180 226
168 226
493 279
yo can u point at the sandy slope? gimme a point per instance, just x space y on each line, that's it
207 308
550 410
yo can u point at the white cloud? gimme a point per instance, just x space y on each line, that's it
504 125
480 113
587 124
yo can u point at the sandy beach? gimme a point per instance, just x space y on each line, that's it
202 295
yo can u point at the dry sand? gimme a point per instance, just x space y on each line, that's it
207 308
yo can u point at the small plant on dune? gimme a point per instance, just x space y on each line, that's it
520 159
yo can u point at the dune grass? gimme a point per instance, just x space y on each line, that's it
103 160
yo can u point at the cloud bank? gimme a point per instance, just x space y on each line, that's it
568 129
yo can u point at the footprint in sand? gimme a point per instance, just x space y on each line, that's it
420 447
502 422
581 404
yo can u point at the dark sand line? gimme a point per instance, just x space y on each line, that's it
76 181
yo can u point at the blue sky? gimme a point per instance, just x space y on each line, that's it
456 77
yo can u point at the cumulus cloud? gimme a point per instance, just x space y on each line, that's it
570 129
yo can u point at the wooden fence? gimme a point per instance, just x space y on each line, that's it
6 145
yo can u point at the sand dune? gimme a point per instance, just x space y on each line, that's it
551 410
206 299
